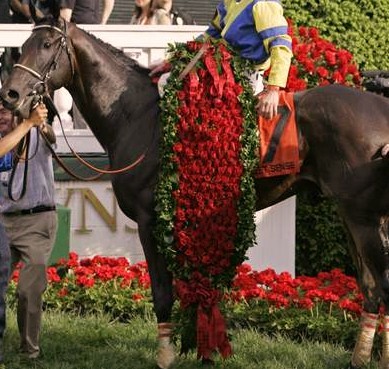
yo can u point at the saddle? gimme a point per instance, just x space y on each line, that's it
279 146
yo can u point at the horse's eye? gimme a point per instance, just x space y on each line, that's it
47 44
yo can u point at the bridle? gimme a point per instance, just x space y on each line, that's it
52 66
43 78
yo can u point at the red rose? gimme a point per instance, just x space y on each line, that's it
177 147
322 72
181 95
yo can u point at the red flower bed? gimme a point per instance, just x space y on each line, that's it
280 291
325 307
283 291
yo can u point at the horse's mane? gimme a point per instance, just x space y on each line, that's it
119 54
127 61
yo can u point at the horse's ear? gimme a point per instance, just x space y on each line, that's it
55 8
51 9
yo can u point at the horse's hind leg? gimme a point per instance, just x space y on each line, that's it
384 361
162 291
371 261
384 235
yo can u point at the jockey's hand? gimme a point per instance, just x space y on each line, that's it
38 116
159 68
268 102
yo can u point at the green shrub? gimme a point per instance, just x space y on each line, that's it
358 26
321 240
297 324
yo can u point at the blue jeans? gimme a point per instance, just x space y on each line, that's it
4 276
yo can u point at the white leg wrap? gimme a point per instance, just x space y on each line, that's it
384 361
166 353
362 350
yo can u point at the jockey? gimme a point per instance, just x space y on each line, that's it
259 32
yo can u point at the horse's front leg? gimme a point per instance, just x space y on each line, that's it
162 292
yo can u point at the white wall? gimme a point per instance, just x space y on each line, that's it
275 235
98 227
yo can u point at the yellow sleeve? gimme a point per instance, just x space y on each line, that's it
280 60
268 15
272 27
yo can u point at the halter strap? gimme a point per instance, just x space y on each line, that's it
31 71
51 27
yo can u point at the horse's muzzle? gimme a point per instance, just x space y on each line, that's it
20 107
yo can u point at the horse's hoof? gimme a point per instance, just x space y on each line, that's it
165 356
207 362
383 364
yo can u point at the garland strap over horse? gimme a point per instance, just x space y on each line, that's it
206 195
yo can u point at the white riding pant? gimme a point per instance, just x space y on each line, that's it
256 81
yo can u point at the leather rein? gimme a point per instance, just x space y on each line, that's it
40 90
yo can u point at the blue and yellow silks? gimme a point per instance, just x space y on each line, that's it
258 30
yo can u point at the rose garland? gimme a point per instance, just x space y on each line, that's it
205 198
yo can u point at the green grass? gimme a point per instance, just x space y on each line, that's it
70 342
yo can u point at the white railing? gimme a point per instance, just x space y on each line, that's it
146 44
97 225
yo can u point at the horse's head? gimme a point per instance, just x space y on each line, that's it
46 64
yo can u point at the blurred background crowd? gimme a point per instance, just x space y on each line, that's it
115 11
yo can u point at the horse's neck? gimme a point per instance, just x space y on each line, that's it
97 77
106 91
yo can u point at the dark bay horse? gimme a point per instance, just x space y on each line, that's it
344 133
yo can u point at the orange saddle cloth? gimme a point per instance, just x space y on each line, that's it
279 149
